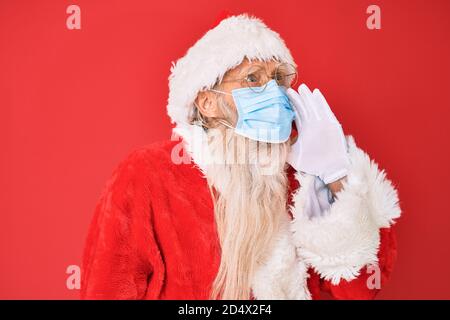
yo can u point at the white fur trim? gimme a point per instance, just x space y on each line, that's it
195 141
345 239
218 51
282 276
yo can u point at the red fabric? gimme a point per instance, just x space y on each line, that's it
153 235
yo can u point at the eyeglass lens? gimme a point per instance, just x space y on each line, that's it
257 78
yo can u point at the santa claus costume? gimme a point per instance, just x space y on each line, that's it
154 236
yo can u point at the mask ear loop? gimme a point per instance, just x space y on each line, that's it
199 117
218 91
202 123
222 121
225 123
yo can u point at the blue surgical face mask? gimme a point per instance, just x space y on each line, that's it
263 115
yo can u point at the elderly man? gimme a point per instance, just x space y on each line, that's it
243 206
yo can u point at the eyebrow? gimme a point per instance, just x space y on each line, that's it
246 69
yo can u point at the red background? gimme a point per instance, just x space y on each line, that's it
75 102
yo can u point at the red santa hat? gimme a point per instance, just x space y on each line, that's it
219 50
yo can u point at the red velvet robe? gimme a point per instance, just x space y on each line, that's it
153 236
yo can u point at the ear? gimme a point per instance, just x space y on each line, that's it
206 103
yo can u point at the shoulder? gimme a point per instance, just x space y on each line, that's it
151 155
141 163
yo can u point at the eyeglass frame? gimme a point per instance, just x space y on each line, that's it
263 87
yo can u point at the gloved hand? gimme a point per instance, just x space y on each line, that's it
321 148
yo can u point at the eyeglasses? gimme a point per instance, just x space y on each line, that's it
256 77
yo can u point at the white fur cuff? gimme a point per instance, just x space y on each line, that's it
345 239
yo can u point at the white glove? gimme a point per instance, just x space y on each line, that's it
321 148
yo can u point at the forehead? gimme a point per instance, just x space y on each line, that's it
269 66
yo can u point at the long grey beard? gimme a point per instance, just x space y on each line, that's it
250 203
